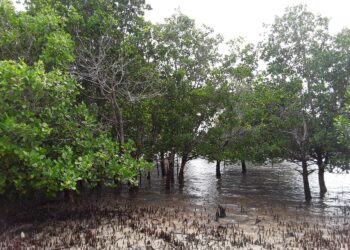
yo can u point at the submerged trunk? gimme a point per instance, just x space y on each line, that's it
321 169
322 183
305 174
169 177
244 167
218 173
172 167
170 171
184 160
162 164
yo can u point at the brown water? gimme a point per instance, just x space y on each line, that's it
280 185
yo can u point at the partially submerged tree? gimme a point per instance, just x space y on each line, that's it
299 47
275 115
188 56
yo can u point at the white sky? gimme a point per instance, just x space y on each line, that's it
233 18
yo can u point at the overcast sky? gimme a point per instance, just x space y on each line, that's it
233 18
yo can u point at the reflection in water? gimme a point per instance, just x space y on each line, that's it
263 185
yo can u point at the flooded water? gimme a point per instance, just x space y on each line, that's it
278 185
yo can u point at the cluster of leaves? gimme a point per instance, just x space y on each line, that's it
35 37
49 139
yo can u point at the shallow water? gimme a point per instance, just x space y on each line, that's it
280 185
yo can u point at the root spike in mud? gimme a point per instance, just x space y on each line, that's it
140 225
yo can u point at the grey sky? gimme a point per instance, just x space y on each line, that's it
233 18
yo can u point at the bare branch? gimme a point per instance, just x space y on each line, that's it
101 64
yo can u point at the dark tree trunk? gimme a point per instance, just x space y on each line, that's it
244 167
170 171
97 190
140 177
218 172
69 196
148 175
184 160
157 165
167 181
169 177
118 186
117 116
321 169
162 164
80 185
172 166
321 181
305 174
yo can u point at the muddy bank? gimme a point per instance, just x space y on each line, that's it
130 224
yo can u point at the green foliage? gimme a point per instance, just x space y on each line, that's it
189 57
30 38
342 123
300 48
49 141
58 50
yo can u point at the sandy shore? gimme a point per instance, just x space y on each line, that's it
128 224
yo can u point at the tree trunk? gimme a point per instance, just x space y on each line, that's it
218 172
323 188
305 174
168 178
321 170
80 186
121 126
172 166
170 171
118 186
98 189
117 118
244 167
184 160
157 165
140 176
69 196
162 164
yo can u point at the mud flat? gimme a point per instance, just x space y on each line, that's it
129 224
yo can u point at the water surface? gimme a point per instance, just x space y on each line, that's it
278 185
